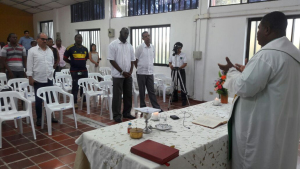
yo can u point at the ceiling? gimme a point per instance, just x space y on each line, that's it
36 6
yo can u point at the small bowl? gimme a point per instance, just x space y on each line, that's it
136 133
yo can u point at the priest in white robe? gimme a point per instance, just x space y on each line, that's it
265 123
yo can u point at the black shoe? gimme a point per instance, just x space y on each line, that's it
174 100
54 120
161 110
118 120
38 122
183 102
129 116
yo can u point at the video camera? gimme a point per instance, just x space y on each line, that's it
176 47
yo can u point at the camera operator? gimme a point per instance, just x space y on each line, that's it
177 63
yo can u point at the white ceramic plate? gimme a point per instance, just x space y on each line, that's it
163 126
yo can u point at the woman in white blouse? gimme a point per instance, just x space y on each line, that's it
94 59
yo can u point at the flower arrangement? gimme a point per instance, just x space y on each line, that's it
219 84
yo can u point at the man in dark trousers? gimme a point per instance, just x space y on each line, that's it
121 57
76 55
145 54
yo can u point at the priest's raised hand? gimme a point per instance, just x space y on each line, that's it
226 67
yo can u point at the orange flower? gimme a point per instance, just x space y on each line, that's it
223 77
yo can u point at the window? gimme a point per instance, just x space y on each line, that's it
233 2
47 28
87 11
121 8
292 33
160 38
91 36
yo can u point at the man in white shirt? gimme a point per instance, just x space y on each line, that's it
121 57
264 130
178 62
145 54
40 61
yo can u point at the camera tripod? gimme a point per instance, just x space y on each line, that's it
175 75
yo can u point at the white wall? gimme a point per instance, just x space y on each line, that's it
219 32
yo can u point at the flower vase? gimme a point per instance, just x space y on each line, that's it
224 99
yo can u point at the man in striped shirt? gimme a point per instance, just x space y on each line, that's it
14 58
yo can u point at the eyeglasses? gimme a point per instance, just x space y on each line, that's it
44 39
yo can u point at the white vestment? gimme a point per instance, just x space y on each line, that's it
266 124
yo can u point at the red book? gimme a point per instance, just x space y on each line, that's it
155 151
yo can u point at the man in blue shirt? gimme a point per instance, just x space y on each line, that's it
26 41
76 55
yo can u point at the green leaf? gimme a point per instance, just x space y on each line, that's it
220 74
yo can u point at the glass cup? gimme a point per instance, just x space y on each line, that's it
163 118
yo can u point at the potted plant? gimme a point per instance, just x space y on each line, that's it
223 92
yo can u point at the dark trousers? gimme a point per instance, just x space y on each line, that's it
122 85
17 74
75 78
178 81
148 81
39 101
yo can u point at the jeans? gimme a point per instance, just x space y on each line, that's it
75 78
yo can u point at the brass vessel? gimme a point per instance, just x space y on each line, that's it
136 133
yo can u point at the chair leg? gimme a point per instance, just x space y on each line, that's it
164 95
20 125
43 119
0 134
75 118
49 122
88 104
83 95
102 104
110 109
32 126
60 117
16 125
27 120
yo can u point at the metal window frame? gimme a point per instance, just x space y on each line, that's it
48 26
91 11
294 17
152 26
150 2
239 3
89 30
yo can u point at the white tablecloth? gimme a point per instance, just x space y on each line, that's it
199 147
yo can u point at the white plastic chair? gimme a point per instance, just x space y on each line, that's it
135 94
88 91
107 78
107 88
53 106
164 83
56 82
95 76
88 68
10 112
65 71
105 70
28 92
15 84
3 81
65 82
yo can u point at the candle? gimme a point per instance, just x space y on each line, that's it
216 102
155 116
